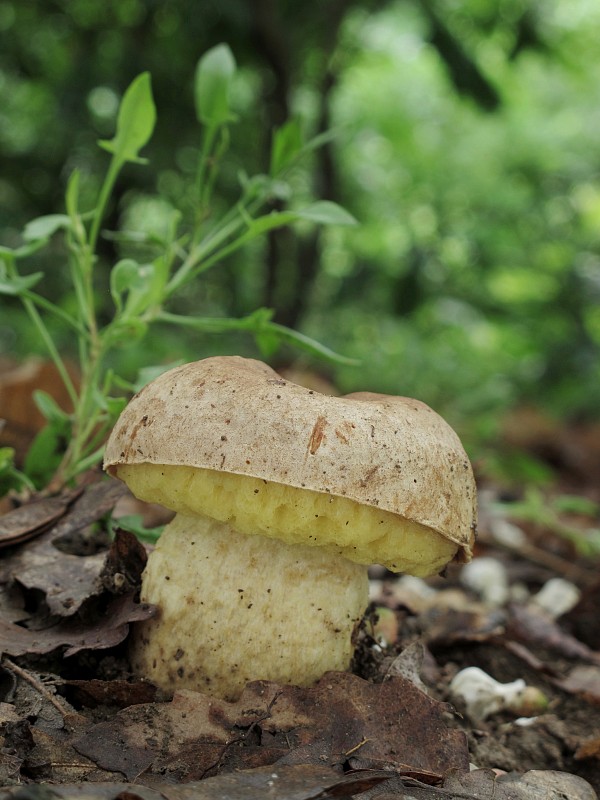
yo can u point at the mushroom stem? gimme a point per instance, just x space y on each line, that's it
236 607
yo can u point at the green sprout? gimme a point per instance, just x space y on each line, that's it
141 291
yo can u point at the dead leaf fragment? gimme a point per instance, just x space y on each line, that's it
31 520
300 782
18 382
303 782
588 749
533 626
119 693
342 721
67 580
583 680
124 563
446 628
108 631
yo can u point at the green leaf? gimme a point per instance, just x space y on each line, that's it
49 408
261 187
325 212
25 250
287 146
147 374
203 324
7 457
268 342
269 222
260 325
135 524
136 287
574 504
19 283
124 332
135 122
46 451
10 477
7 255
45 227
122 276
213 78
311 346
114 405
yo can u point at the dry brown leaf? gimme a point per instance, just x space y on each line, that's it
583 680
124 563
116 693
485 784
343 720
18 382
588 749
533 626
32 519
66 580
303 782
300 782
109 630
447 626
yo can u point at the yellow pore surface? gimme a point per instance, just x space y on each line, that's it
363 534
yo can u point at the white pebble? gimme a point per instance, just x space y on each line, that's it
557 596
487 577
482 694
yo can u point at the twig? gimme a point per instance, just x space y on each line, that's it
39 687
357 747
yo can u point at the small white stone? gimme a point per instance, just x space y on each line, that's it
507 533
417 586
487 577
557 596
482 694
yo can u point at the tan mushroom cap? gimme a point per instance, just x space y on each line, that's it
239 416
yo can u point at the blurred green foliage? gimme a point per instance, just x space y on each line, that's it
185 242
467 147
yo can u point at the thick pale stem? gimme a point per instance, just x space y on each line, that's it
235 608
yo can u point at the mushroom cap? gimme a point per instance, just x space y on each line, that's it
237 415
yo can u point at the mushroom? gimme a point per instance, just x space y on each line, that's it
283 497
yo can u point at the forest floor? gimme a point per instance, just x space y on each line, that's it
74 723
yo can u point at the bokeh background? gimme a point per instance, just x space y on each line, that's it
467 147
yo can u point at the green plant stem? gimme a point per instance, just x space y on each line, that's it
51 308
78 269
87 415
202 185
190 267
52 350
205 324
85 462
105 193
213 166
86 418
